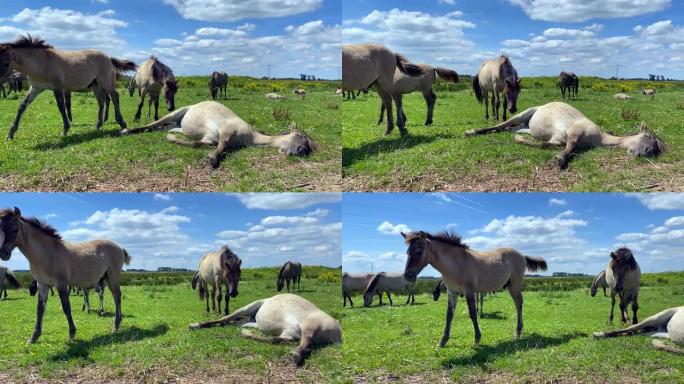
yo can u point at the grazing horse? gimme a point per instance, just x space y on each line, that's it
468 271
285 318
63 72
353 282
300 92
440 287
152 78
290 271
568 81
219 84
368 64
405 84
7 278
498 77
648 92
623 275
217 269
33 289
211 123
667 324
57 263
388 283
599 282
561 124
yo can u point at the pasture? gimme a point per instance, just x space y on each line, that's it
398 344
154 344
41 159
440 157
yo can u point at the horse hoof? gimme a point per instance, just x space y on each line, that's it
470 132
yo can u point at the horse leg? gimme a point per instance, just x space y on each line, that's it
380 298
522 118
604 292
107 100
570 145
138 113
156 108
657 321
247 312
623 309
219 297
505 107
495 106
115 288
100 107
485 96
344 297
482 295
67 101
430 99
227 299
451 307
520 139
516 294
40 311
213 298
206 297
351 303
398 100
150 100
86 300
66 307
382 113
223 146
612 306
114 95
472 311
59 98
635 308
387 102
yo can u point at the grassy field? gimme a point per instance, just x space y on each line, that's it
154 344
398 343
441 158
40 158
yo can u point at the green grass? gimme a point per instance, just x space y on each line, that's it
556 346
40 158
154 344
440 157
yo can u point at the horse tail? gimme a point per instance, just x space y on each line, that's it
124 65
407 67
477 88
447 74
127 257
535 263
12 279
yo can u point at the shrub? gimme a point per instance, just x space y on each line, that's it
630 114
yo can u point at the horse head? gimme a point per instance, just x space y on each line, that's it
5 59
647 143
416 260
170 89
299 144
231 269
511 92
9 231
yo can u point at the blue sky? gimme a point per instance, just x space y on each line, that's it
192 36
176 229
574 232
542 37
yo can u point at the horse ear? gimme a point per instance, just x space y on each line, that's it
403 234
643 127
612 255
293 126
239 262
422 235
17 212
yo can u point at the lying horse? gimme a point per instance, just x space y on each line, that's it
210 123
558 124
388 283
285 318
291 271
7 279
622 276
666 324
217 269
599 282
352 283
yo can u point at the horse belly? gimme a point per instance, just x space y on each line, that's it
675 327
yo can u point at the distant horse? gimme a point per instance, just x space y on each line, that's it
622 96
388 283
354 282
300 92
599 282
405 84
648 92
219 85
560 124
498 77
468 271
368 64
7 279
623 275
152 78
667 324
210 123
57 263
217 269
290 271
285 318
440 287
338 91
274 96
63 72
568 81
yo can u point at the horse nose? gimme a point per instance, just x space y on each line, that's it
514 109
234 293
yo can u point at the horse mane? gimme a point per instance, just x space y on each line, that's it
161 71
42 226
448 237
29 41
506 69
597 278
282 270
373 282
227 254
623 257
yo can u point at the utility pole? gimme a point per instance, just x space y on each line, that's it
269 70
372 267
617 71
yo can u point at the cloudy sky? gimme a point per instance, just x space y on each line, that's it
542 37
175 230
574 232
192 36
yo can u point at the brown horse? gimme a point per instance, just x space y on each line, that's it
599 282
440 287
219 84
623 275
568 81
7 279
291 271
498 77
153 78
63 72
215 270
469 272
57 263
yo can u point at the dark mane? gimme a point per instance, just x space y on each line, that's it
448 237
42 226
282 270
623 258
29 41
161 71
373 282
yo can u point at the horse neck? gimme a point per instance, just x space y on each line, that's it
445 257
26 60
277 141
623 141
35 244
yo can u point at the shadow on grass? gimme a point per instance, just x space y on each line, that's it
493 315
485 353
80 349
76 138
353 155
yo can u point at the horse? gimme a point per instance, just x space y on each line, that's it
648 92
623 275
667 324
568 81
468 271
352 283
153 77
33 289
300 92
63 72
209 123
622 96
388 283
273 96
219 84
406 84
57 263
560 124
290 271
599 282
7 278
440 287
285 318
498 77
338 91
364 65
217 269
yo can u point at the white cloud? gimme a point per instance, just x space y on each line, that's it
388 228
161 197
212 10
50 216
553 201
578 11
662 244
676 221
282 220
664 201
286 200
